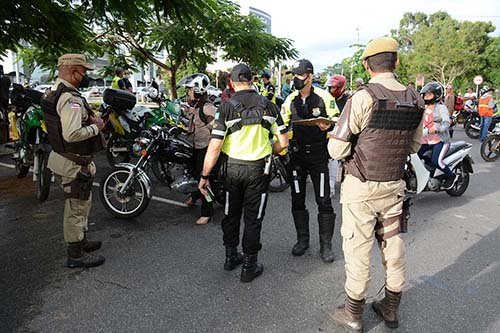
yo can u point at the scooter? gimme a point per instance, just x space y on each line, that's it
420 176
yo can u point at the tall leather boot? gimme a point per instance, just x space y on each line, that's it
233 258
77 257
251 269
90 246
326 223
350 315
387 308
301 220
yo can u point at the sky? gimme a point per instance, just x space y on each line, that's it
323 30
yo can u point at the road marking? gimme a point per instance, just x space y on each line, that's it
168 201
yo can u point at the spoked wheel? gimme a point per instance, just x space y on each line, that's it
462 183
490 149
278 181
44 177
128 205
117 150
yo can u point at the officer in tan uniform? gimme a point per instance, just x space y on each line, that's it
74 134
379 126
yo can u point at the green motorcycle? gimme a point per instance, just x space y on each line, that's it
33 148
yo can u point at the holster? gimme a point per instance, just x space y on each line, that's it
222 166
81 187
405 216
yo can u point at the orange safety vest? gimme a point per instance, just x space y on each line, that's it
484 107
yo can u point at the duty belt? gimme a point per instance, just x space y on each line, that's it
259 162
78 159
309 148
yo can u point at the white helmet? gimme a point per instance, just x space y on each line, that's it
198 81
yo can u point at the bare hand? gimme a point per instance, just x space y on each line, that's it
202 186
97 121
432 131
323 126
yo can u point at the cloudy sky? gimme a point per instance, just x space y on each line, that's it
323 30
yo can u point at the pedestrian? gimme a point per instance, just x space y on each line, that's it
241 131
202 113
228 90
486 108
379 126
286 89
74 134
470 98
309 156
117 82
449 102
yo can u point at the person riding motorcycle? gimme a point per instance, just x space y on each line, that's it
202 117
436 136
337 88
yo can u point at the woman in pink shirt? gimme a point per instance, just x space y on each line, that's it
436 131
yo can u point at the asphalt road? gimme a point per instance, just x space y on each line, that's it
164 274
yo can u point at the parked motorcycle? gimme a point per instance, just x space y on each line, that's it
124 123
126 191
490 148
473 127
421 176
33 147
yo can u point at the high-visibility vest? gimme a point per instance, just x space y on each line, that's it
114 83
484 106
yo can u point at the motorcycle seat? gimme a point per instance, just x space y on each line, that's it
456 146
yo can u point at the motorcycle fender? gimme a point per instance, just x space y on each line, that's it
142 175
45 147
467 164
421 172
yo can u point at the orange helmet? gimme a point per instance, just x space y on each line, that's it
336 85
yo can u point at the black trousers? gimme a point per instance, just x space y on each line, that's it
207 208
314 164
246 193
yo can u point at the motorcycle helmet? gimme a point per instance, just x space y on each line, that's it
198 81
485 89
316 77
434 88
336 85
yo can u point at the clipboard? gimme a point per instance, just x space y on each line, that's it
313 121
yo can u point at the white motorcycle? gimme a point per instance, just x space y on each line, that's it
421 176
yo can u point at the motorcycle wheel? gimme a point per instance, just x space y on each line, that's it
461 118
126 206
115 157
21 169
278 181
462 183
490 149
472 132
44 177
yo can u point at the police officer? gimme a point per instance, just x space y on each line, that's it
309 156
241 130
379 126
117 82
74 134
267 89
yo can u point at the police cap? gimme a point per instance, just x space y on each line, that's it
241 73
380 45
301 66
74 59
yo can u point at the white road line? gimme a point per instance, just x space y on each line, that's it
172 202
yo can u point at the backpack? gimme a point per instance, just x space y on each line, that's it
459 103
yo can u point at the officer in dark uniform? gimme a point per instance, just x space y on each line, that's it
268 90
241 131
309 156
74 134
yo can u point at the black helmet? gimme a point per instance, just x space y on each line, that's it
434 88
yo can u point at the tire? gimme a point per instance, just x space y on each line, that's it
108 190
462 183
471 132
117 157
487 152
278 180
21 169
44 177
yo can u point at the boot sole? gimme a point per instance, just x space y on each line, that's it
80 265
248 279
389 324
301 253
346 328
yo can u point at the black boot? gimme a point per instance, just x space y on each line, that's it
251 269
90 246
233 258
77 257
301 220
387 308
350 315
326 223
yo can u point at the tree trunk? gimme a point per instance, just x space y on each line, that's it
173 83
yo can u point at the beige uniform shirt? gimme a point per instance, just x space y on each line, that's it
201 131
73 114
354 190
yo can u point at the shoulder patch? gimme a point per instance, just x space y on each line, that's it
332 104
